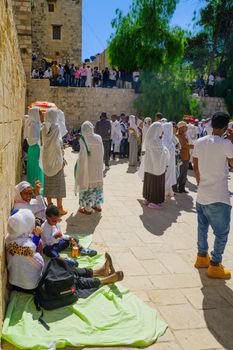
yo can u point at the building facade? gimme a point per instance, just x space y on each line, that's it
57 30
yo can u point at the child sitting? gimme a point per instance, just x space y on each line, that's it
23 199
24 263
54 241
25 266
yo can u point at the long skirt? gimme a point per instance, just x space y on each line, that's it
93 197
34 171
55 186
133 150
154 188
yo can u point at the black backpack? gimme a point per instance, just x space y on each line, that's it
56 287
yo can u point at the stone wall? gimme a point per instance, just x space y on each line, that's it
12 100
210 105
80 104
22 15
67 14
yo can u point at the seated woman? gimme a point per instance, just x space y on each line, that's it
23 199
25 265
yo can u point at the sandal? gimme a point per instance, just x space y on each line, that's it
109 259
154 206
87 252
84 211
97 209
62 211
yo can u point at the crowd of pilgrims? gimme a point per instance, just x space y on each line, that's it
165 152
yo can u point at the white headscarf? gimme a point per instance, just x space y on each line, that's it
157 155
89 165
33 126
133 124
20 226
51 155
62 123
170 178
146 125
19 188
168 136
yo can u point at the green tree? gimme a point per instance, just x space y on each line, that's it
166 92
212 46
143 38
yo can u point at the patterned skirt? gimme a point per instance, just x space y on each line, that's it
91 198
55 186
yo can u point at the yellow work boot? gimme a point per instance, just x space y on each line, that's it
218 271
202 261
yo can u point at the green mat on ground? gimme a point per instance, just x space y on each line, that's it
112 316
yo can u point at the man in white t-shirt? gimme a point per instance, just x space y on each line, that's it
211 156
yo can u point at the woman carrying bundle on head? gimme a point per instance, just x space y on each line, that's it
89 170
53 160
34 171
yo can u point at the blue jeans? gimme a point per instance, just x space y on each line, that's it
218 216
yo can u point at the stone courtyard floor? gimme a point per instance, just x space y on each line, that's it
156 250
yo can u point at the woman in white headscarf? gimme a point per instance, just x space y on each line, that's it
53 160
24 264
89 170
134 136
146 124
170 177
24 199
34 172
156 162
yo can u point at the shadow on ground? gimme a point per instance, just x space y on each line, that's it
82 224
217 308
157 221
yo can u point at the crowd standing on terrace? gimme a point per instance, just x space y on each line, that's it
84 76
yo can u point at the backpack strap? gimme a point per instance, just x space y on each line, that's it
38 308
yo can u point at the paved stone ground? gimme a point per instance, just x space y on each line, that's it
156 250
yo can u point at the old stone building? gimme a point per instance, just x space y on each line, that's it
57 29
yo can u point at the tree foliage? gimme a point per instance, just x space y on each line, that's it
143 38
168 93
212 46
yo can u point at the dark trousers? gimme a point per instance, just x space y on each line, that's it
52 251
83 81
85 283
123 148
181 181
106 144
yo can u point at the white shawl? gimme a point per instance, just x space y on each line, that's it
33 126
170 179
52 154
157 155
133 125
89 167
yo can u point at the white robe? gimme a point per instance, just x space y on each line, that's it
170 177
116 136
89 173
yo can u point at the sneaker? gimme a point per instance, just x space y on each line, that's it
202 262
218 271
71 262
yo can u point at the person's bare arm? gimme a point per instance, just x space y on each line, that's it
196 170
